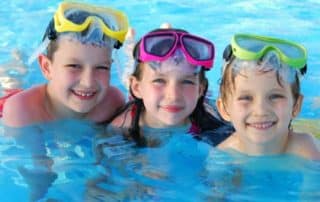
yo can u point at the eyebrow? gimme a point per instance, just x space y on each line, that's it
193 75
278 89
102 62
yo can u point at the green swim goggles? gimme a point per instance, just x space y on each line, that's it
253 47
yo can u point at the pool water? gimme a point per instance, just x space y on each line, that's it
181 169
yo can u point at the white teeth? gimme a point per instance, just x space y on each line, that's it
84 94
262 125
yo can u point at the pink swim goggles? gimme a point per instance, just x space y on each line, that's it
161 44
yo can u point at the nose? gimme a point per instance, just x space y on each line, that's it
260 107
173 91
87 78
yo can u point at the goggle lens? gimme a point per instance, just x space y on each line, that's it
79 17
159 45
198 49
256 45
252 47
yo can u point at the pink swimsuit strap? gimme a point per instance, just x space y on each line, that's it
8 93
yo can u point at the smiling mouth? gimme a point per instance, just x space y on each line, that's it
173 109
84 95
262 126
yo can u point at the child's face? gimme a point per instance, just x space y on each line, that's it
259 108
169 95
78 75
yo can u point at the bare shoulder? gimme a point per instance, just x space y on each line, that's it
111 103
24 108
115 97
304 145
123 120
114 100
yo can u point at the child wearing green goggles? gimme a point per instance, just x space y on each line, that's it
79 42
260 95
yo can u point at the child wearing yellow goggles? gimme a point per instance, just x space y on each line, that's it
260 95
79 42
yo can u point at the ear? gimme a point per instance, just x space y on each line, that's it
45 66
222 110
297 106
135 86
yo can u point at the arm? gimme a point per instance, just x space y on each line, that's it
38 173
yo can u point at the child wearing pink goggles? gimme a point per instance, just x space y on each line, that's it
168 86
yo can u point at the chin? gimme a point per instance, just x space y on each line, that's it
173 122
82 110
261 141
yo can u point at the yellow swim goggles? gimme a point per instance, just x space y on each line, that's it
77 17
253 47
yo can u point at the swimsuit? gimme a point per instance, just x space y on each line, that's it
3 99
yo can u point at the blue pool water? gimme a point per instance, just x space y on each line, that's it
182 169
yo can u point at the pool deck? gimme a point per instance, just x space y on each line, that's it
311 126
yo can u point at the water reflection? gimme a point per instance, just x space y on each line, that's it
71 161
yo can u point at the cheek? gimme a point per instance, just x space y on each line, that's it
192 89
232 103
283 109
191 94
151 88
237 110
102 77
149 93
63 76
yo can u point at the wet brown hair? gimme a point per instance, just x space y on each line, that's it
227 83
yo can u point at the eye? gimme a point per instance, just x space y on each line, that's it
158 80
74 66
103 67
188 81
245 98
276 96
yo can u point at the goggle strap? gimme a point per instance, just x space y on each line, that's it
50 33
303 70
227 53
42 47
117 44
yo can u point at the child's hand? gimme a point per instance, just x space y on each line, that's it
130 34
12 71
